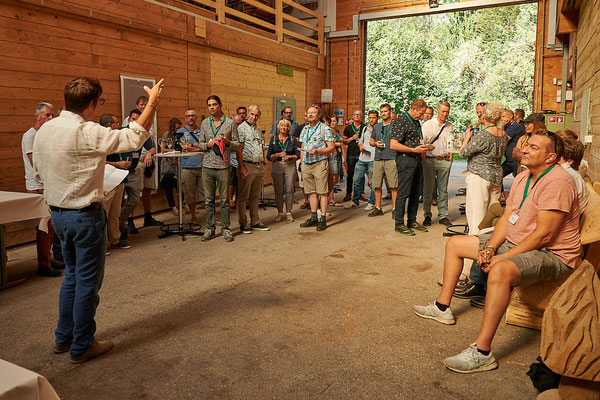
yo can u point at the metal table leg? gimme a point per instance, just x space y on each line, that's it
180 228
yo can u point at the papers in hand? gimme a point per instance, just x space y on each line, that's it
113 177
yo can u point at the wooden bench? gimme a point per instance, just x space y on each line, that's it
527 304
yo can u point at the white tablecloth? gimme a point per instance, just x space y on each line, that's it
20 207
17 383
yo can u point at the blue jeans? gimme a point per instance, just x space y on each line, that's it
362 167
56 245
83 237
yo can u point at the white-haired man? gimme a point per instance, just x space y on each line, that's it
251 170
43 112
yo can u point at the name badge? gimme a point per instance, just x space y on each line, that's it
513 218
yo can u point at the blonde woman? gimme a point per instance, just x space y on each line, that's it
283 152
484 152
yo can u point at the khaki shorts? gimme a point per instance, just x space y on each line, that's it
387 168
193 187
147 182
315 177
534 265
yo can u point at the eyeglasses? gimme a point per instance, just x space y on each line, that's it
101 101
190 116
552 136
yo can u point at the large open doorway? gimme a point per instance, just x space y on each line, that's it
464 57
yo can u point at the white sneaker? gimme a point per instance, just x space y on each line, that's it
319 213
470 360
289 217
369 207
431 311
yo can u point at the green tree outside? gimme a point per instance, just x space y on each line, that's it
463 57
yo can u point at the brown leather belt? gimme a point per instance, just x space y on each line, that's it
92 206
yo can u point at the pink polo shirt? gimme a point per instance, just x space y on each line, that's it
555 191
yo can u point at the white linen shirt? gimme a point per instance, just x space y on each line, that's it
430 130
368 152
582 192
69 154
27 148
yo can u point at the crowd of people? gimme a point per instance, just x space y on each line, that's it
528 234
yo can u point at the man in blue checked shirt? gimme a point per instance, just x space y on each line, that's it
317 142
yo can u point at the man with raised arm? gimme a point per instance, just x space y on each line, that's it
69 154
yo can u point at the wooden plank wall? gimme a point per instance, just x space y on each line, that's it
46 43
544 87
587 76
346 69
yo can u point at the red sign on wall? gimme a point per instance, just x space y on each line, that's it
556 120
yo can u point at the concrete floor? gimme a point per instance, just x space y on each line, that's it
291 313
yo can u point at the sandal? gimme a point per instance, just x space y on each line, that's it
304 206
335 204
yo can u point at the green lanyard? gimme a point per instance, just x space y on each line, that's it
490 126
418 128
287 142
212 127
525 193
310 135
384 130
354 129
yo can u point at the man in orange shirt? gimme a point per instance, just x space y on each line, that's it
537 238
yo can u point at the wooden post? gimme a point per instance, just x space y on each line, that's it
279 20
221 11
320 33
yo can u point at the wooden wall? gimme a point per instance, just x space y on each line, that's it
46 43
259 82
544 93
587 76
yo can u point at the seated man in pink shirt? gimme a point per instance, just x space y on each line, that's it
537 238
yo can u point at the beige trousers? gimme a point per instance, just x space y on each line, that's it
112 208
480 194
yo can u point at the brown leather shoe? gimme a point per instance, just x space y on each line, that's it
58 349
96 350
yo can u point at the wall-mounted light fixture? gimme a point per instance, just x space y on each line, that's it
434 3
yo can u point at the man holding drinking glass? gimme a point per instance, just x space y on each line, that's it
191 167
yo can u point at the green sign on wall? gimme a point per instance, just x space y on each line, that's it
285 70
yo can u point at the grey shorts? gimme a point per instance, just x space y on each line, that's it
534 265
